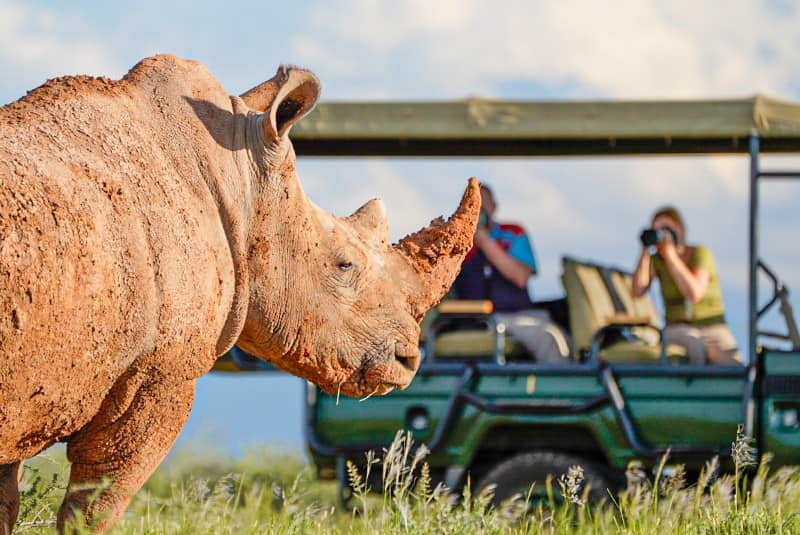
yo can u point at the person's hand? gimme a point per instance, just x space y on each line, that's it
482 237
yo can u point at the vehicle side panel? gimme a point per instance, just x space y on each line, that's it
780 406
686 410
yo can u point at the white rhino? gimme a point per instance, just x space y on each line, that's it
148 224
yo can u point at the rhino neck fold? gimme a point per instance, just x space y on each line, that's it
282 239
235 204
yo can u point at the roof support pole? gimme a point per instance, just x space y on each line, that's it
754 147
752 304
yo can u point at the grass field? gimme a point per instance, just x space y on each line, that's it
262 492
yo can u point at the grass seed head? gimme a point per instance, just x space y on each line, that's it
743 451
571 483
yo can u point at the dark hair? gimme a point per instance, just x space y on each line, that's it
488 190
672 213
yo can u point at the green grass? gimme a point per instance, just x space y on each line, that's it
262 492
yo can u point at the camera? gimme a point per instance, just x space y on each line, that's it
651 237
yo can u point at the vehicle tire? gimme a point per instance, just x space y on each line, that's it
516 475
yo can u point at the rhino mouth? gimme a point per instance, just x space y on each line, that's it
383 389
392 367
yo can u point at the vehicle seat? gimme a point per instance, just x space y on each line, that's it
644 308
600 297
462 330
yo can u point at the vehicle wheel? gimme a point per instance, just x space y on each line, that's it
518 473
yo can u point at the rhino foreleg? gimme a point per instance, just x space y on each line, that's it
10 475
114 455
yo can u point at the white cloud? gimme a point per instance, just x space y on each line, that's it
38 43
341 186
630 49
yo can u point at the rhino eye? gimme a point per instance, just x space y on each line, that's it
345 266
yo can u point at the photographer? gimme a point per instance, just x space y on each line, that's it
687 274
498 268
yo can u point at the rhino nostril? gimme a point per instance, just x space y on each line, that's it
410 362
407 362
407 355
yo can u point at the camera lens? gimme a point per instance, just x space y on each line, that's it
650 237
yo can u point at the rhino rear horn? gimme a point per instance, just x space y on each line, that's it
285 98
436 252
369 222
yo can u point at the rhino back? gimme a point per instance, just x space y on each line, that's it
112 254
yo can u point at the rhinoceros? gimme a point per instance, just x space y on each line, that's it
147 225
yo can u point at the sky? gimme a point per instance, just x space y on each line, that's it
592 208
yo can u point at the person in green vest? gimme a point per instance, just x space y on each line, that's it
690 291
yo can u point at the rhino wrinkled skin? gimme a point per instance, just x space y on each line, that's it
148 224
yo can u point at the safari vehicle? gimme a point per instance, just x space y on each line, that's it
486 409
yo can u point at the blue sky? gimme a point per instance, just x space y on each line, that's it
417 49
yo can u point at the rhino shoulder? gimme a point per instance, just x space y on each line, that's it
170 70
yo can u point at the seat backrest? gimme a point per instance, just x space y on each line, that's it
596 296
589 301
641 308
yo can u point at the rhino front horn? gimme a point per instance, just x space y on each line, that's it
436 252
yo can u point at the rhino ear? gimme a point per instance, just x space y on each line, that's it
369 222
285 98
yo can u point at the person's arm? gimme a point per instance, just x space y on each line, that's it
643 274
692 283
512 269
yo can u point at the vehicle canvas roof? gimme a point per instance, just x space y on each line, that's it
485 127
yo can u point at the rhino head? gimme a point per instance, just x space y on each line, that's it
330 298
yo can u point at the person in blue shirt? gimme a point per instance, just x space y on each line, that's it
498 268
